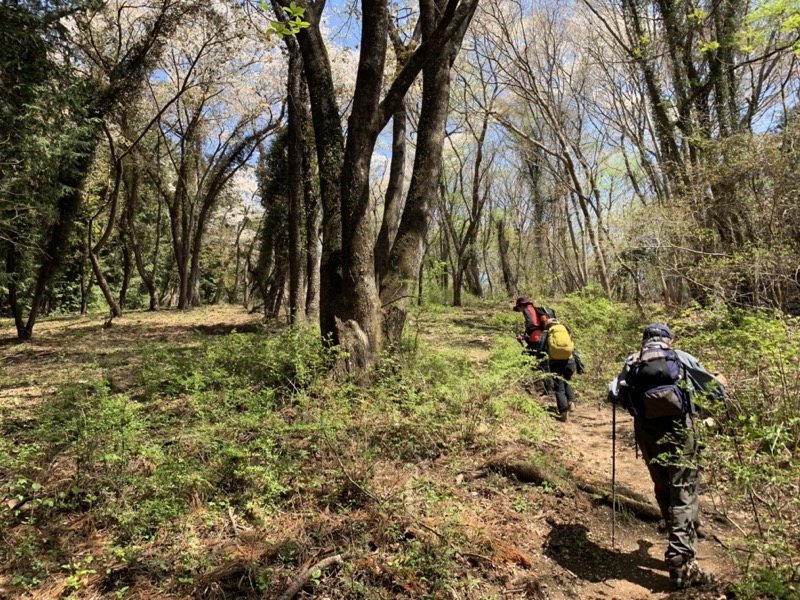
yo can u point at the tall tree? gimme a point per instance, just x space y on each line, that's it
348 289
405 259
91 98
207 135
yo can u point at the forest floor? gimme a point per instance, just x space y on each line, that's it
545 543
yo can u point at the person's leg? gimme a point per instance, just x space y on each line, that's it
569 371
559 386
682 537
684 478
675 478
570 393
648 434
547 382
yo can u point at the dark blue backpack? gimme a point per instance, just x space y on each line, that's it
654 383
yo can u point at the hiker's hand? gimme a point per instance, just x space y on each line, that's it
520 338
721 378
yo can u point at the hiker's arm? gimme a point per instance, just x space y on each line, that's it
701 380
617 392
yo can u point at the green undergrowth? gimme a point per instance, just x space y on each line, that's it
247 429
121 478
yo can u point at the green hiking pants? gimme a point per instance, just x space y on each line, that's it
669 447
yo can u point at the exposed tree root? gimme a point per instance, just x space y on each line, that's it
528 472
627 499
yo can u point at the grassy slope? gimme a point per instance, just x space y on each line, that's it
164 458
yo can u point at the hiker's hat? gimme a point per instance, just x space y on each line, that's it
657 330
521 301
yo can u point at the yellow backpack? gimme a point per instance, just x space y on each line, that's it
559 343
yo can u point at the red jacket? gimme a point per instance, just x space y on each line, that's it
534 324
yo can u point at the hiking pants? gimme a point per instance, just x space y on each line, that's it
669 448
564 394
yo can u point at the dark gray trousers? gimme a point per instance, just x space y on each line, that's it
669 447
560 385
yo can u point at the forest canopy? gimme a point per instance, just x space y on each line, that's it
334 161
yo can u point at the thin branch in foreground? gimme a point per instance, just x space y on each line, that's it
306 574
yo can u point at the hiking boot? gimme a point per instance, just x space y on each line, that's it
690 574
563 416
571 407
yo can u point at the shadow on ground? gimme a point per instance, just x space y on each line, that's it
570 547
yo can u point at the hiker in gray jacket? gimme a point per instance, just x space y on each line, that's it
658 385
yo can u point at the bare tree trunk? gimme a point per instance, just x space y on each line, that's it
113 305
311 211
329 140
11 273
458 284
86 285
312 247
126 276
487 239
421 277
444 257
273 299
237 272
510 280
405 263
132 191
295 146
94 249
394 190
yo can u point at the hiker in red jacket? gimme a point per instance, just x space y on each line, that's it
535 324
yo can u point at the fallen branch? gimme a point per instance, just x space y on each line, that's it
528 472
305 575
233 521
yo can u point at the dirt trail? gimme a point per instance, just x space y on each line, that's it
572 545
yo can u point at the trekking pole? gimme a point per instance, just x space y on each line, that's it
614 476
